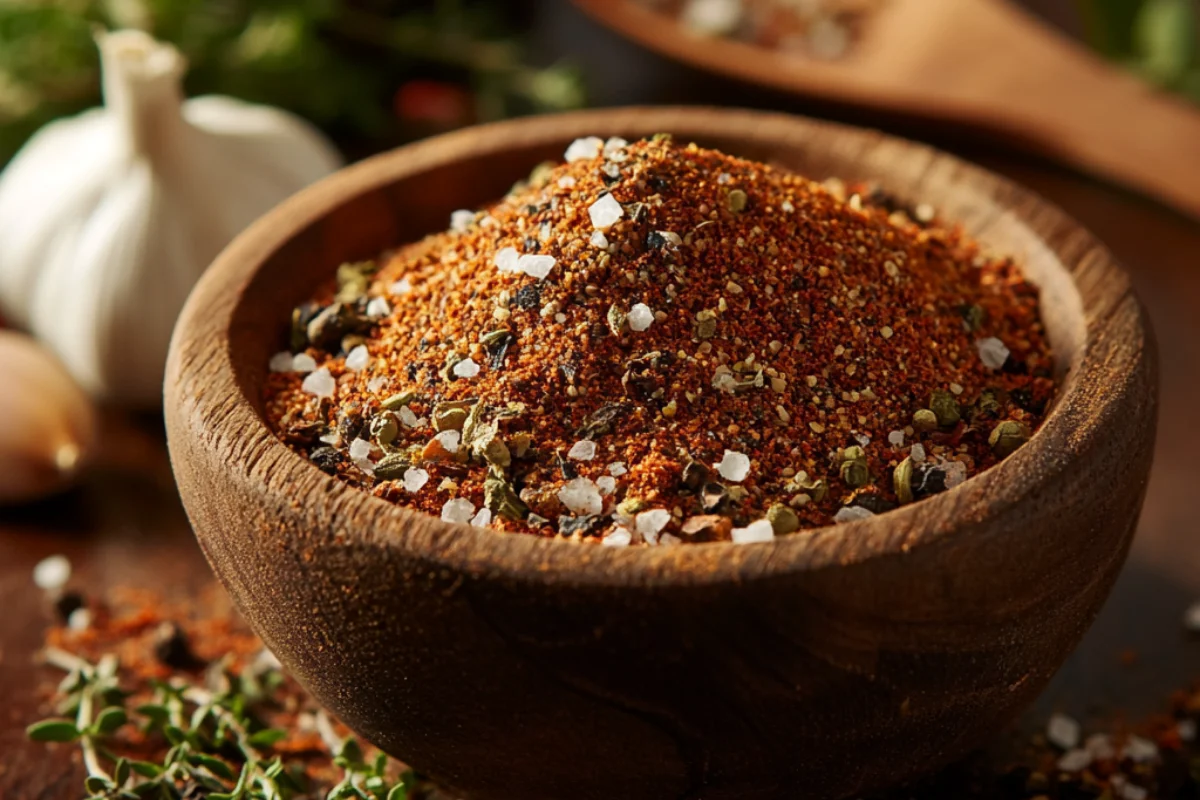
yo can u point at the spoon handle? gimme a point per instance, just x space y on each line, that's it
1054 96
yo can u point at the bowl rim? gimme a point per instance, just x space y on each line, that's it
232 416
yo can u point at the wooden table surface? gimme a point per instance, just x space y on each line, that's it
125 524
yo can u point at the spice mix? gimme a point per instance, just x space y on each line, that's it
656 343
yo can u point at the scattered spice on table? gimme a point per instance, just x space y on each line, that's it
179 700
135 713
656 343
822 29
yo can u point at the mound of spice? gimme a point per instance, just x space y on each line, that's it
656 343
822 29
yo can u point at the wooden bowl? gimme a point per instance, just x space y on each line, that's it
818 665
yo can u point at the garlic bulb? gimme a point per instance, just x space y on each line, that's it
47 423
107 219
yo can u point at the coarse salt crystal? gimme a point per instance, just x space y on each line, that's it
956 473
584 450
461 220
281 362
580 149
599 240
536 266
896 438
724 178
358 358
52 573
1191 617
1075 761
407 417
852 513
649 523
617 469
320 383
467 368
80 619
605 211
360 449
614 145
917 453
725 382
1063 732
560 318
640 317
787 207
458 510
506 259
266 660
760 531
366 465
449 440
669 540
303 362
414 479
377 383
862 439
566 182
734 466
378 307
483 518
1131 792
620 537
992 352
402 286
607 484
581 496
1100 746
332 438
1140 750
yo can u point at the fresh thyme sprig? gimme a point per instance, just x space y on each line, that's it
216 740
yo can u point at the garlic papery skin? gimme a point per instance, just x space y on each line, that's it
47 423
107 219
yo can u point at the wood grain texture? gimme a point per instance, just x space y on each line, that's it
817 665
984 63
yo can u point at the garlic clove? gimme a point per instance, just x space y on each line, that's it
47 424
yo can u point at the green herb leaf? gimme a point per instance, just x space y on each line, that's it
214 765
351 751
97 784
110 720
53 730
267 737
121 771
146 769
1165 39
157 715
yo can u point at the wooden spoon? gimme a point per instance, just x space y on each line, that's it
983 63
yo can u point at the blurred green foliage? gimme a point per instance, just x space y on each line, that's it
1155 38
337 62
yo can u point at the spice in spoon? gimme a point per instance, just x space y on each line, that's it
820 29
656 343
